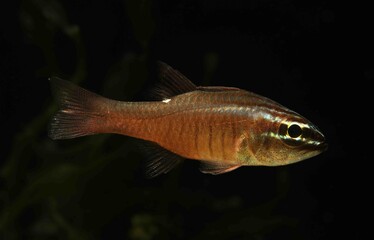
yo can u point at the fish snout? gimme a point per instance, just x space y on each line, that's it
319 140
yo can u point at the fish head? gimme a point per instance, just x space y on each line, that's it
288 140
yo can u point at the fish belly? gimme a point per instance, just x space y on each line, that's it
201 136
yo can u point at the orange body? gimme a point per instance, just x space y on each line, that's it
222 126
195 125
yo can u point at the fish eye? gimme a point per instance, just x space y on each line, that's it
294 131
290 133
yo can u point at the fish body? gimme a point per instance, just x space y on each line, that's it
222 126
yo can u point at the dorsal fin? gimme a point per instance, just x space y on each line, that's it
172 83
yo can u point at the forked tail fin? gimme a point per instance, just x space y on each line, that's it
81 112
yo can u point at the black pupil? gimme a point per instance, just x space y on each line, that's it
294 131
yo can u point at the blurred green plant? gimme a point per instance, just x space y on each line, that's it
40 21
58 175
78 187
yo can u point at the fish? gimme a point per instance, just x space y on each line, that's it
222 127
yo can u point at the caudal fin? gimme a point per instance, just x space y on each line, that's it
81 111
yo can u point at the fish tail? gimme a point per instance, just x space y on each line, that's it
81 112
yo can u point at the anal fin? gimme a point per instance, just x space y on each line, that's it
160 160
217 168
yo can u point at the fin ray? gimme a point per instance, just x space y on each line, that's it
217 88
172 83
80 110
160 160
217 168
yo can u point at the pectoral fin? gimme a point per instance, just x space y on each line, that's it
216 168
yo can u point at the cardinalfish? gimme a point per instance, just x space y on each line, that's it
223 127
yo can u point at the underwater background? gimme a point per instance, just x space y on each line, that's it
311 56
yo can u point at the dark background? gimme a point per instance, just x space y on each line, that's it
315 57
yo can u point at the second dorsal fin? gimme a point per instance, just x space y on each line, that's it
172 83
217 88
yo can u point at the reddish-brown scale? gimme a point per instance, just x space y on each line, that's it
194 132
227 127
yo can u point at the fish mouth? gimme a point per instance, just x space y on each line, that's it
323 146
319 142
314 149
316 141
